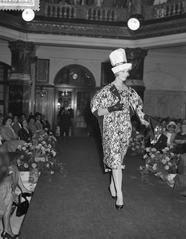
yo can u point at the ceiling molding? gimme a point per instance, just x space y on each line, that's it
156 33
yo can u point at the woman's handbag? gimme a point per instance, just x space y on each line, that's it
22 207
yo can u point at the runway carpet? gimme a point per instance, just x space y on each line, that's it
77 205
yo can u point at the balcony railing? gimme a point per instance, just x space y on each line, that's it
94 13
98 12
174 8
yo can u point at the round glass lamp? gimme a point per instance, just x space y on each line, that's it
28 15
134 22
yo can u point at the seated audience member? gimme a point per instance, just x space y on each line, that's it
1 120
180 140
31 125
171 133
16 125
160 140
9 136
9 180
24 133
22 117
45 123
38 124
178 128
164 125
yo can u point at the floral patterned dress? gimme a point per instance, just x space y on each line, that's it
116 126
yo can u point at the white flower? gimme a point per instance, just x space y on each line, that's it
51 172
145 156
163 161
25 165
154 166
152 156
154 149
166 167
147 149
53 153
34 165
167 159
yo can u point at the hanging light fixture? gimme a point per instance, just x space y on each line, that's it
134 22
28 15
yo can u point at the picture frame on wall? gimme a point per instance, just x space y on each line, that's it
42 71
107 75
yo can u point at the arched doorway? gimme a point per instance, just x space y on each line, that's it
74 85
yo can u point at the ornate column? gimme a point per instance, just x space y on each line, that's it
136 56
20 78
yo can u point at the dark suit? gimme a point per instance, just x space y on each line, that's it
161 143
25 135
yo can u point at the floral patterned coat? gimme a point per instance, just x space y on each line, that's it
116 126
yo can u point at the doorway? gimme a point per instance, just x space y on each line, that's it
74 86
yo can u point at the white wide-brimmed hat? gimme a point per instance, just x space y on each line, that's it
171 123
118 60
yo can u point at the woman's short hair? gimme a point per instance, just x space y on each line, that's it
6 118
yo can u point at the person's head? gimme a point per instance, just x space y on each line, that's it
171 127
120 68
10 114
8 121
31 120
15 119
4 164
37 116
24 124
158 129
183 127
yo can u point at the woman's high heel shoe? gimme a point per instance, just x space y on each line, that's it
118 207
114 197
5 235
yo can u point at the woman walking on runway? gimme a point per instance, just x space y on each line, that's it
112 105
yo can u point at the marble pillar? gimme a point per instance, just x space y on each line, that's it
20 81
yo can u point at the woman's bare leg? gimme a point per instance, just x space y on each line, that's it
117 176
112 186
6 219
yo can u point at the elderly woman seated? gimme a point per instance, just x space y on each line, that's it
171 133
9 180
9 137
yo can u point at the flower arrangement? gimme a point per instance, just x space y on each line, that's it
40 154
162 164
137 143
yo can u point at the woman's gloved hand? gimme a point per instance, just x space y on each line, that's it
117 107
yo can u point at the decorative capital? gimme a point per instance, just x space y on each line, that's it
21 46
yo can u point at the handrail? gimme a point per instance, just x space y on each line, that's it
99 12
173 8
60 10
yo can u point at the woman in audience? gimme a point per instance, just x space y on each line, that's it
171 133
24 133
180 140
16 125
45 123
9 136
9 180
38 124
31 125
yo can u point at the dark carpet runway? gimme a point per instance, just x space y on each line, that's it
77 205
